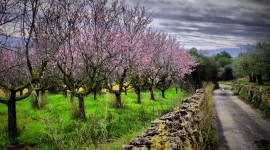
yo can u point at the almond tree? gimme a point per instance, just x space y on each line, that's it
17 61
38 23
175 64
156 46
68 59
142 61
133 22
98 41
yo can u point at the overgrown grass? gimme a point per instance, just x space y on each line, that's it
208 126
105 128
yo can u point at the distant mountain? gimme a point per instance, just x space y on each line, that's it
233 51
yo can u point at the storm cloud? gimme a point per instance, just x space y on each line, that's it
211 24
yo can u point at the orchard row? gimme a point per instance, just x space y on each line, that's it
89 44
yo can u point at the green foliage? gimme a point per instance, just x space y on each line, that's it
254 62
227 73
223 58
105 128
206 71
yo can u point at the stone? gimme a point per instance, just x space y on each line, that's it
139 141
127 147
174 146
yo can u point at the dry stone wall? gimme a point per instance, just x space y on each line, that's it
257 95
180 129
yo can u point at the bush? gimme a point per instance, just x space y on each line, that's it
227 74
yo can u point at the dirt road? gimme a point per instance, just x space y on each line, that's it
240 127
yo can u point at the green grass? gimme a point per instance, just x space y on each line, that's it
208 127
105 127
243 81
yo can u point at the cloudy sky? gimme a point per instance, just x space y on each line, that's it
212 25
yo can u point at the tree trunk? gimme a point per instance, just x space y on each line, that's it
36 99
118 100
72 97
65 93
260 81
95 92
125 87
12 120
250 78
43 92
21 92
138 91
152 96
254 79
99 90
53 90
176 90
81 106
163 93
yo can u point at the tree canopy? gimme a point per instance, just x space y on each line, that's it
255 62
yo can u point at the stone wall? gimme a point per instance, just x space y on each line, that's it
180 129
257 95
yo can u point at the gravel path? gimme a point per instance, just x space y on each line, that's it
240 127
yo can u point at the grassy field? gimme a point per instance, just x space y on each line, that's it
105 128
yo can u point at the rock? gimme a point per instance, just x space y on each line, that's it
183 112
127 147
139 141
174 146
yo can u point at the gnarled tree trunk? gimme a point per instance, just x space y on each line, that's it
81 106
65 93
36 99
163 93
12 119
250 78
21 92
95 92
138 92
118 100
254 79
259 78
152 96
125 87
72 97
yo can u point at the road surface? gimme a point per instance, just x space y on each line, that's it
240 127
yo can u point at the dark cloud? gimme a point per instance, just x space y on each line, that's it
203 24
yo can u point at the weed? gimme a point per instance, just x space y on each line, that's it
208 127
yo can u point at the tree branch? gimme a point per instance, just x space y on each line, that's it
3 101
19 98
21 87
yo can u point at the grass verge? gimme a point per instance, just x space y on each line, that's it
208 126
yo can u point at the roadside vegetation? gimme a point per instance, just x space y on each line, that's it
209 130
